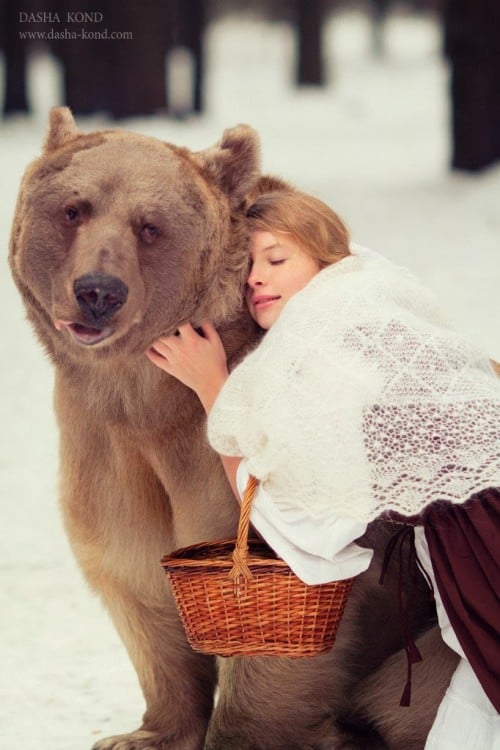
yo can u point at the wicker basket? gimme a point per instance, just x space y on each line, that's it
235 597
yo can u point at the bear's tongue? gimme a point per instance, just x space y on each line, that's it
83 334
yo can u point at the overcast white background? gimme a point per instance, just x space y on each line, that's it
374 144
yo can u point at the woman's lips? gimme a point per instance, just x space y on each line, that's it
264 301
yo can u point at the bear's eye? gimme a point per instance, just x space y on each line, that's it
148 232
72 214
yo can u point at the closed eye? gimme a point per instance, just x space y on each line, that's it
277 262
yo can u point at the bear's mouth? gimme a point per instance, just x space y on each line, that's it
84 334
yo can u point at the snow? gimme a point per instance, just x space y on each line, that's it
373 144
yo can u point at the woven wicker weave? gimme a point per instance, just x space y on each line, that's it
235 597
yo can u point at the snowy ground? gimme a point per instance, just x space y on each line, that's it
374 145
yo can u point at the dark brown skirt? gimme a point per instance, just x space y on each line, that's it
464 546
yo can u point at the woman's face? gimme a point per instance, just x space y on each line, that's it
279 268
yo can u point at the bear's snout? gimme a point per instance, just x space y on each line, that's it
99 296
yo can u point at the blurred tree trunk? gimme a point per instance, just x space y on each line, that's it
137 75
189 27
84 74
379 11
472 45
310 16
85 63
124 77
15 53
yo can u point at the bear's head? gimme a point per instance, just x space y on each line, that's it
119 238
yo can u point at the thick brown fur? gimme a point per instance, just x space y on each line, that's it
137 476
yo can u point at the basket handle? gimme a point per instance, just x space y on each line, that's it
240 552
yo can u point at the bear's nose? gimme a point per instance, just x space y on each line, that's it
100 295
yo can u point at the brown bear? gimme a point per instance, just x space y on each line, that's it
117 239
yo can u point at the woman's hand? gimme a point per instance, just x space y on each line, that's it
197 361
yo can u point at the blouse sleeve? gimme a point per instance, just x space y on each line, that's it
318 551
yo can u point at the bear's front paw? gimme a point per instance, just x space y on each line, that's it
144 739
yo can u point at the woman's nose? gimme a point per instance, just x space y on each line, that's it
254 278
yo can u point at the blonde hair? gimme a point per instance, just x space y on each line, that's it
313 225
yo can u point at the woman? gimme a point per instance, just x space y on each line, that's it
361 401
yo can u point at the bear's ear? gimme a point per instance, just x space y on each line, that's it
234 162
62 129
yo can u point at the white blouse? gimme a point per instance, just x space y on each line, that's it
317 550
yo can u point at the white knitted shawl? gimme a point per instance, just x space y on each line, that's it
361 399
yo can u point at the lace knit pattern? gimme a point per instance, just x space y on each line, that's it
362 399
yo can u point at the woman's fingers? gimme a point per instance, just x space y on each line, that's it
209 330
191 351
196 357
161 346
187 332
158 359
